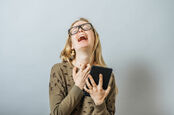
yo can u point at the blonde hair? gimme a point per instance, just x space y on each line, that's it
67 52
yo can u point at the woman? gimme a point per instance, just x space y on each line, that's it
68 79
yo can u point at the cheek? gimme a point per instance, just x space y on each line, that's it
91 36
73 41
74 38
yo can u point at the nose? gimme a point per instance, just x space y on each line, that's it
80 29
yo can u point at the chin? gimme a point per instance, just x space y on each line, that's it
83 46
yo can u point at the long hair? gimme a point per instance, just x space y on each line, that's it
68 54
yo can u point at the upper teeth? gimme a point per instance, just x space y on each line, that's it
81 37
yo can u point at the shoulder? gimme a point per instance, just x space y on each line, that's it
114 83
112 80
56 71
113 76
59 66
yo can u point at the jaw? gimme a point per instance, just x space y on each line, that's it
84 45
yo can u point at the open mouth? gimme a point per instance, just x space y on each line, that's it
83 37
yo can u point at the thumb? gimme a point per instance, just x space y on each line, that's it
74 72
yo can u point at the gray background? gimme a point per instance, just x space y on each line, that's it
137 42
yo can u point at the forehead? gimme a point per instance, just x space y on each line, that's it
79 23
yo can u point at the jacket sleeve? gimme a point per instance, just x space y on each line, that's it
108 106
60 102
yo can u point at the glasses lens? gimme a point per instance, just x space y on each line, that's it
86 26
73 30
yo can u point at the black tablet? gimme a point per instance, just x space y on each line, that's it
95 71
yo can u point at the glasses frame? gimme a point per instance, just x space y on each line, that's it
79 26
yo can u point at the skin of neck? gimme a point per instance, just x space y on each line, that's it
83 56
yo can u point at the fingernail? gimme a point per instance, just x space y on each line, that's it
89 65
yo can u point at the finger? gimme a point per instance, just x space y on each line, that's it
107 90
74 71
86 89
82 67
86 75
87 69
100 81
92 81
88 84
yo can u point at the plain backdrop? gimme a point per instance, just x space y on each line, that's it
137 38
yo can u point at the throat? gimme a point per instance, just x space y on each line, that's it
85 59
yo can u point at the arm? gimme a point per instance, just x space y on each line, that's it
108 106
60 103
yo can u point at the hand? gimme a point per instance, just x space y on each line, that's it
81 76
97 92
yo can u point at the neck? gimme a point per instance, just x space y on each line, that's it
83 57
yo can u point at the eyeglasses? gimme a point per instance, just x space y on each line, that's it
75 29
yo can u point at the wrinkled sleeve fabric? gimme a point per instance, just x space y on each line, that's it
108 106
60 102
